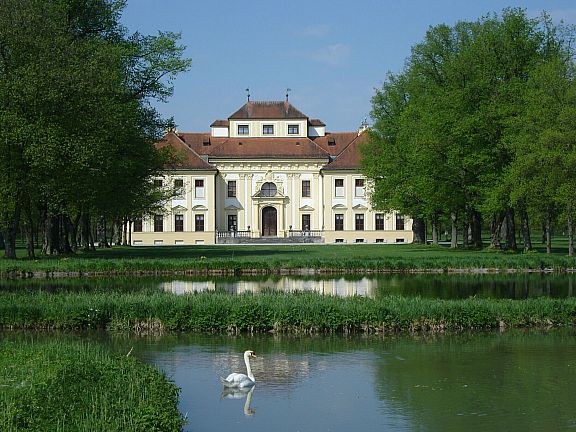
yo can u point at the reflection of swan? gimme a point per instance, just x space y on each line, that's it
239 380
240 393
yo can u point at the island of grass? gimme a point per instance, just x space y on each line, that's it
295 259
67 386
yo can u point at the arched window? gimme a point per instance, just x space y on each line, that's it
268 189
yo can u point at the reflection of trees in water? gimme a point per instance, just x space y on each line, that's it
508 381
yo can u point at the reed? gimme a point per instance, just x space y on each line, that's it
59 385
272 312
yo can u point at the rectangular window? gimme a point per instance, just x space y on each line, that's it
232 222
339 222
137 224
359 222
158 183
305 222
243 130
293 129
199 188
379 225
359 187
305 188
158 223
231 188
399 222
199 223
339 188
179 188
268 130
179 223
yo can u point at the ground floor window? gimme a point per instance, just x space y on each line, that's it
158 223
399 222
199 223
179 223
232 222
359 222
137 224
379 225
339 222
305 222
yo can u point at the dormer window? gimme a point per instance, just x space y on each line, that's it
243 130
293 129
268 130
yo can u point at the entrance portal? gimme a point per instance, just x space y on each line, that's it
269 220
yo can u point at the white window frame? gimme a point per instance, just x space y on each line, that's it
339 191
200 191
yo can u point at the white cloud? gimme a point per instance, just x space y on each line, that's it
333 55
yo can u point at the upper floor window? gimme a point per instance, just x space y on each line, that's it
305 188
199 188
268 130
158 183
137 224
293 129
339 187
243 130
178 223
359 187
179 187
379 221
231 188
399 222
158 223
268 189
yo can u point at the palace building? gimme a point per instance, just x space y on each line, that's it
268 174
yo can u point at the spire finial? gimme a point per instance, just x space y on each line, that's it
288 90
248 94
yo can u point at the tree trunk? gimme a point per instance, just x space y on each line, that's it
548 232
74 232
465 228
29 231
510 230
434 228
495 228
454 239
570 236
419 230
64 240
525 227
477 229
11 232
85 232
1 241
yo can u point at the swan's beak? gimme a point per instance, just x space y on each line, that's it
253 354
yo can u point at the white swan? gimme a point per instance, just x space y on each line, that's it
238 379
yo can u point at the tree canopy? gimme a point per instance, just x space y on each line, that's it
479 128
77 130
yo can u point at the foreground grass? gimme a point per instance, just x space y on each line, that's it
271 259
72 386
292 313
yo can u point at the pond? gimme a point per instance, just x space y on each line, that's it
446 286
513 381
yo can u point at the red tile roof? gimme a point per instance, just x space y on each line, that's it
316 122
187 158
220 123
267 110
349 157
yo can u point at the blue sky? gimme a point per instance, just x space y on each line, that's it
331 54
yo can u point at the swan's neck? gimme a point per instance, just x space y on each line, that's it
248 368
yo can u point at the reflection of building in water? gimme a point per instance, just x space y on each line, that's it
340 287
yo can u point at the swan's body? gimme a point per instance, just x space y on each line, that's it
238 380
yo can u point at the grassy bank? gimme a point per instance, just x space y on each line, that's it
293 313
276 259
68 386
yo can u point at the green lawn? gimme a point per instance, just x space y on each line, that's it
125 260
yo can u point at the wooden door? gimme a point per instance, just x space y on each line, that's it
269 221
